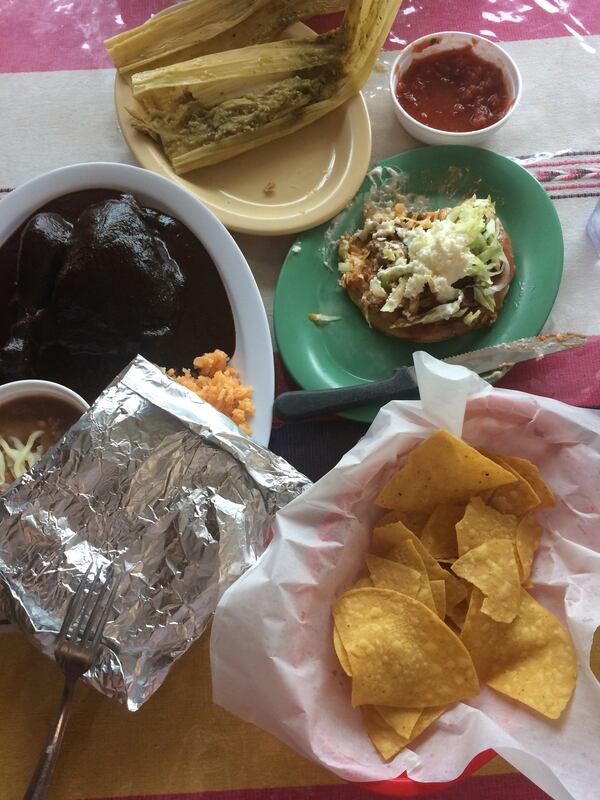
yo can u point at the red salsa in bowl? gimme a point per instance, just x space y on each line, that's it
454 90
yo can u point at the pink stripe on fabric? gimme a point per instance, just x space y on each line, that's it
557 185
49 35
581 163
492 787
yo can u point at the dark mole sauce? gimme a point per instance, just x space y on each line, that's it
204 318
453 90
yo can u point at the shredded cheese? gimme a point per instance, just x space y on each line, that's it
18 458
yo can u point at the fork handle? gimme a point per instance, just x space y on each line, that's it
40 780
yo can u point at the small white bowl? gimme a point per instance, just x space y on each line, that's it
34 388
27 389
451 40
253 355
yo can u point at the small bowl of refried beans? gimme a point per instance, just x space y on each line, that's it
34 415
454 88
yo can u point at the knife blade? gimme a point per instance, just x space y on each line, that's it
491 362
507 354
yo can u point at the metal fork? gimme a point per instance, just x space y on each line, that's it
76 650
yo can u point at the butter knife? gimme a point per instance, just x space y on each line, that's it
490 362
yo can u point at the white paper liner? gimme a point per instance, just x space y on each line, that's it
273 662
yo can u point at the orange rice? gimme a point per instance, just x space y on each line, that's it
219 385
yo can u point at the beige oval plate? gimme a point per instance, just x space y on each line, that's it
289 185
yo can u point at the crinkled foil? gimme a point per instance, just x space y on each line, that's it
160 484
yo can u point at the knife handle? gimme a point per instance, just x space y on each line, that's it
291 406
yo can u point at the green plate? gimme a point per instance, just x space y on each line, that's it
348 352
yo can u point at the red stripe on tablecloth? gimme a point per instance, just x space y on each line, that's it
580 163
48 35
489 787
556 185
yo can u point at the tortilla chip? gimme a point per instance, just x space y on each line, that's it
402 720
425 595
492 568
438 590
482 523
529 534
458 613
531 659
514 498
399 651
383 736
439 534
386 537
340 652
399 717
427 718
441 470
387 574
456 591
405 554
531 474
362 583
414 520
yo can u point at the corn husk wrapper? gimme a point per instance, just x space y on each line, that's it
200 27
212 108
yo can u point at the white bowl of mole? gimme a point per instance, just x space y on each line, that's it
454 88
34 415
102 261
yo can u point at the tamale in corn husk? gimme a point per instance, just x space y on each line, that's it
200 27
211 108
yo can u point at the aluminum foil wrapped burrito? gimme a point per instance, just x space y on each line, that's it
162 485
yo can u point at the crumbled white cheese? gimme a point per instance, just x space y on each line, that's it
369 226
442 250
442 288
415 285
377 289
386 228
395 297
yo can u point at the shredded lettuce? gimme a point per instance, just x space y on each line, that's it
478 270
439 313
470 318
484 299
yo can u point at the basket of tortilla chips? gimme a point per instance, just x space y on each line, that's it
434 597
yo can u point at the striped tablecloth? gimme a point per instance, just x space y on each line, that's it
56 99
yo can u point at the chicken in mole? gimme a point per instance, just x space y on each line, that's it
92 284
